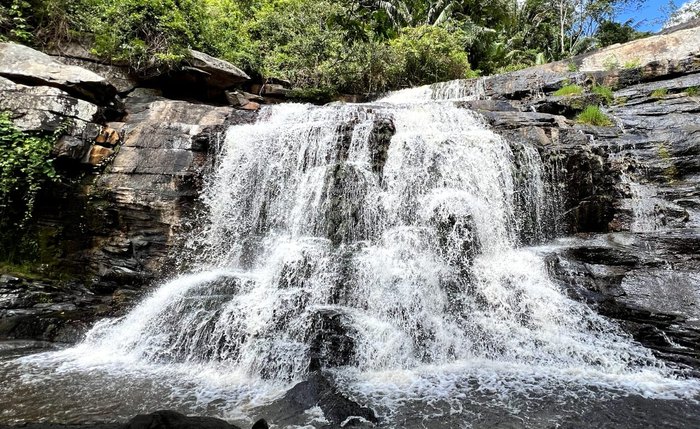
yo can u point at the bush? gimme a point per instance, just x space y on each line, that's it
659 93
148 33
605 92
569 90
592 115
225 33
427 54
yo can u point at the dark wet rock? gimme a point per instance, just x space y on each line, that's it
345 209
164 419
172 420
627 277
62 426
261 424
50 311
319 390
25 65
200 77
380 136
332 341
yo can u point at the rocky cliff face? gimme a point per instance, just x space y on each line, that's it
628 194
630 191
131 167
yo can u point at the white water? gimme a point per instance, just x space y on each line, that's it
409 252
643 204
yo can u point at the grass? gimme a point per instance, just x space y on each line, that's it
605 93
632 64
692 91
572 67
592 115
25 270
569 90
610 63
659 93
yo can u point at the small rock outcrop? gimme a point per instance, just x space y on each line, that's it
25 65
319 391
173 420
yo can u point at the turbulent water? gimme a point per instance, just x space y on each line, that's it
385 242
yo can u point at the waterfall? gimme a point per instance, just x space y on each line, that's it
378 238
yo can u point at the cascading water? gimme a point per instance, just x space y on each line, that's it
384 243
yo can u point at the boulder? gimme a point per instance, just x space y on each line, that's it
116 75
274 90
320 391
44 108
244 100
167 419
28 66
219 73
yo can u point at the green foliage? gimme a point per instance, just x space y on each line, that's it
592 115
24 168
24 164
610 32
611 63
693 91
605 92
572 67
632 64
427 54
333 46
569 90
148 33
659 93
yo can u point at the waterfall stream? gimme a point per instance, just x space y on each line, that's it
387 243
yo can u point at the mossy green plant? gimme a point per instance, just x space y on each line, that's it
569 90
605 92
659 93
632 64
611 63
670 172
592 115
693 91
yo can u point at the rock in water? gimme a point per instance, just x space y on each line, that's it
261 424
319 391
172 420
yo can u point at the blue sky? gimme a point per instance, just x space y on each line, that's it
650 15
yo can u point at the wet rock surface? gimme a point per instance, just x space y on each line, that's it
164 419
52 311
319 391
647 282
638 181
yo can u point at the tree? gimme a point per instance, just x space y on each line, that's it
610 32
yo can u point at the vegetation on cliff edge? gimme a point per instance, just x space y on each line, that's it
331 46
